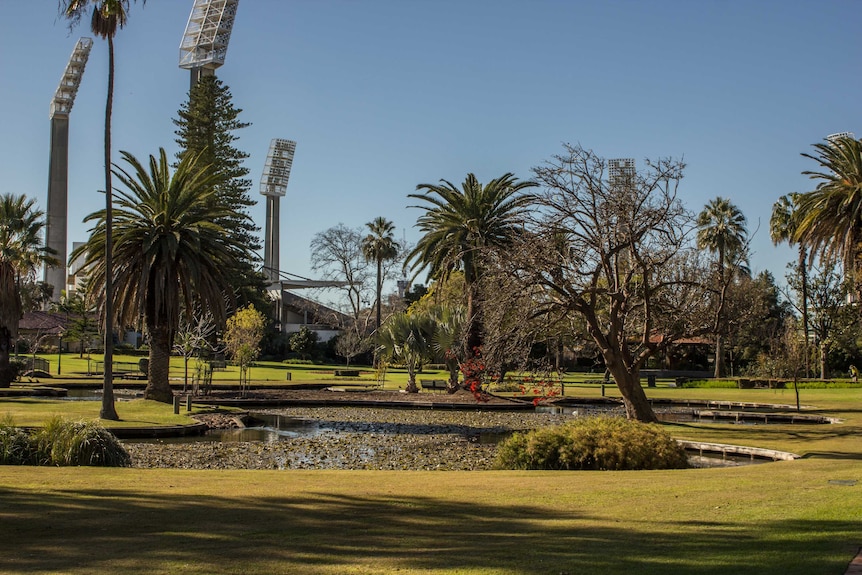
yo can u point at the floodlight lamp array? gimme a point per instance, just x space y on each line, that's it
840 135
64 97
276 170
207 34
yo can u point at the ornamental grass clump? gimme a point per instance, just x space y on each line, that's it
15 445
593 443
62 442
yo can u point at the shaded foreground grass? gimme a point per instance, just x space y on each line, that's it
780 518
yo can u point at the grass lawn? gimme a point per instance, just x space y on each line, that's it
796 517
135 413
780 518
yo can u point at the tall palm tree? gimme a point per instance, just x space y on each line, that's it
380 246
169 253
22 251
106 18
458 224
782 228
830 217
722 231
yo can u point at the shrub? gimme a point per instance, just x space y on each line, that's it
507 387
593 443
15 445
709 384
64 442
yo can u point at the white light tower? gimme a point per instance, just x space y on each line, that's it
58 178
273 185
207 34
833 137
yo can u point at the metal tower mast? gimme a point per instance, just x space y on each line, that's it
58 179
273 185
207 34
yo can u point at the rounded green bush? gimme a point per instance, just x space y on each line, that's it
593 443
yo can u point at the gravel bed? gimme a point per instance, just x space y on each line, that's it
356 438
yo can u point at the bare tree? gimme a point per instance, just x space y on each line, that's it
349 344
336 254
193 337
617 252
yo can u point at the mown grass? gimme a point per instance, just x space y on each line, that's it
783 518
797 517
29 412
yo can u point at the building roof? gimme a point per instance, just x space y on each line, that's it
44 322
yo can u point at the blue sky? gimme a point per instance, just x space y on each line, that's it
384 94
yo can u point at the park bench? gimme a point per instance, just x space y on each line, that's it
433 384
346 373
218 365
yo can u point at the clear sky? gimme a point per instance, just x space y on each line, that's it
382 95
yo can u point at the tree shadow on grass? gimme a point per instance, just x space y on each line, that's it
123 530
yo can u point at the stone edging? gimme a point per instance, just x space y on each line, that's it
727 449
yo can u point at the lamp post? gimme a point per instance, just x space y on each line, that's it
60 354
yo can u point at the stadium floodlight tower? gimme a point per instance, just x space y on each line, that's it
832 138
207 34
58 170
273 185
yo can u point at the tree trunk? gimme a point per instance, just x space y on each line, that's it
474 323
803 273
6 374
719 313
719 356
108 410
411 381
10 315
452 385
637 405
158 387
823 351
379 289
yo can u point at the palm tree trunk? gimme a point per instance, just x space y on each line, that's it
803 273
108 410
158 387
379 288
474 320
6 375
10 315
719 313
411 378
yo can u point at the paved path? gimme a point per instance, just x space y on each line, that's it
855 567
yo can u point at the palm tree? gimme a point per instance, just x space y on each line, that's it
379 246
459 224
782 227
406 339
22 251
830 217
170 254
447 340
721 230
106 18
